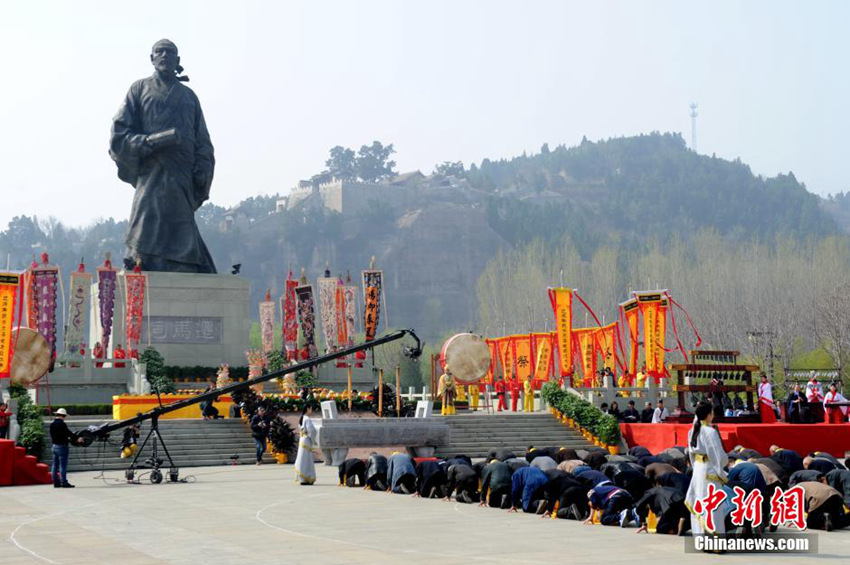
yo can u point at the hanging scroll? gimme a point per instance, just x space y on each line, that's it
632 314
307 319
372 288
585 339
543 344
135 309
524 360
562 305
342 338
42 293
327 309
77 331
290 318
653 308
106 280
267 323
10 287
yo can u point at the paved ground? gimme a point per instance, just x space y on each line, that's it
258 515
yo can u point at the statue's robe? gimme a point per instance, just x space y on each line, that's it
171 182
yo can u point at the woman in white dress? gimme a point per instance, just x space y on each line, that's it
708 459
305 466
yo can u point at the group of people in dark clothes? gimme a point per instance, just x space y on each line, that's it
641 488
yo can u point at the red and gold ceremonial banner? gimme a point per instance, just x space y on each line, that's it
372 287
653 308
562 305
290 318
267 323
307 319
632 315
42 287
107 278
585 339
506 357
77 329
340 309
543 346
607 343
524 360
10 286
491 345
135 310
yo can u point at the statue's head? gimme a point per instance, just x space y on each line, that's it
164 57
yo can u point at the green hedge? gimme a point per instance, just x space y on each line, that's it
80 409
601 425
30 419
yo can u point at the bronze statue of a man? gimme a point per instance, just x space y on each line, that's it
161 145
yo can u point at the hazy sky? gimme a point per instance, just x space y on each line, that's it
282 82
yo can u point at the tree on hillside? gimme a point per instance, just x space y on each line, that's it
373 162
342 163
449 168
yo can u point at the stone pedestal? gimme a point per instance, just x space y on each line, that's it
191 319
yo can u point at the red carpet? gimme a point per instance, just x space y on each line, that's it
802 438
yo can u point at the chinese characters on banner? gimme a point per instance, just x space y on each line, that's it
523 357
543 344
10 286
631 314
653 308
135 308
372 287
267 324
607 344
506 356
562 305
339 310
585 339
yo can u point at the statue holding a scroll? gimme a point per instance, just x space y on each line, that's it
160 142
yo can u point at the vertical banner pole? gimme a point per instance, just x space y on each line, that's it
349 387
398 391
380 393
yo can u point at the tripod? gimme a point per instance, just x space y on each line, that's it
154 460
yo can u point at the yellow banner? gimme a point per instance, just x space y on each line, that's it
506 357
522 350
562 305
543 342
608 346
632 314
586 339
9 284
654 309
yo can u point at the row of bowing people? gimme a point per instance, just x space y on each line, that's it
592 486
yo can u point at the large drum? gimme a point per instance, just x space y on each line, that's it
467 356
30 357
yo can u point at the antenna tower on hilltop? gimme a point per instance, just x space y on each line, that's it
694 115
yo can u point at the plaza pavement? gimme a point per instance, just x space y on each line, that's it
259 515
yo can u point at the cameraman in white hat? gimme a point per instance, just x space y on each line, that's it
62 439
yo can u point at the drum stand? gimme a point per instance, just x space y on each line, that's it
154 460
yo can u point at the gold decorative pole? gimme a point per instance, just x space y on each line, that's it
349 387
398 391
380 393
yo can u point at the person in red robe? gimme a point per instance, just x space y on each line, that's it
119 353
98 354
515 390
834 414
500 394
766 405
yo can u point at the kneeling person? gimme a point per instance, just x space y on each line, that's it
463 480
352 471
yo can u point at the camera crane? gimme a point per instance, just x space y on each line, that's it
101 433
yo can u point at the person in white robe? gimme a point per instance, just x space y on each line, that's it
305 465
708 459
835 414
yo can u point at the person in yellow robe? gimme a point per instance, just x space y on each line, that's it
446 391
473 393
460 392
528 395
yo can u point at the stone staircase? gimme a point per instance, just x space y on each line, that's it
191 443
476 434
